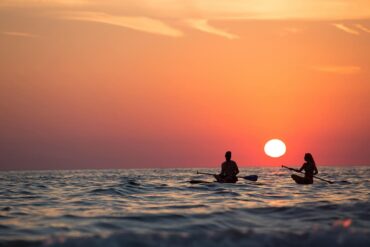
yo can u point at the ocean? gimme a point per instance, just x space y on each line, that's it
159 207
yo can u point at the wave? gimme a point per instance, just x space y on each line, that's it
337 236
161 208
106 191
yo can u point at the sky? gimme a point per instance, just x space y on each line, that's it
176 83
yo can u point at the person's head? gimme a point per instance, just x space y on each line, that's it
228 155
308 157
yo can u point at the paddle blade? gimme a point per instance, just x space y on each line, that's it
251 178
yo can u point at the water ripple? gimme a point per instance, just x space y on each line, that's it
142 207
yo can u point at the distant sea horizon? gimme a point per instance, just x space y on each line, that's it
184 167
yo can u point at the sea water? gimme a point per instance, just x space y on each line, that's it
159 207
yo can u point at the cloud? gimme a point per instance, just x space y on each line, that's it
203 25
362 28
20 34
346 29
40 3
143 24
290 31
338 69
219 9
273 9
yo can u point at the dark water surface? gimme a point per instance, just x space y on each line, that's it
158 207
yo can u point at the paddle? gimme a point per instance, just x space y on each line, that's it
250 177
292 169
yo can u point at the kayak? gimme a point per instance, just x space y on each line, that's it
300 180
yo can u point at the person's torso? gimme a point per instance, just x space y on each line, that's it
309 169
229 168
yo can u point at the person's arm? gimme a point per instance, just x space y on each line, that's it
236 169
223 169
315 171
301 169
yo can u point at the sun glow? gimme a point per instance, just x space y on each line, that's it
275 148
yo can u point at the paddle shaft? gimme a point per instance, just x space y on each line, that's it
246 177
205 173
292 169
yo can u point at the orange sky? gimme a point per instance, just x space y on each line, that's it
176 83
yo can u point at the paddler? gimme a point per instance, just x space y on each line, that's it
229 170
309 168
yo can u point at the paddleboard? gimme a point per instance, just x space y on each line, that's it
299 179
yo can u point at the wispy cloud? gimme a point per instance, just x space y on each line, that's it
40 3
20 34
219 9
290 31
338 69
203 25
362 28
346 29
143 24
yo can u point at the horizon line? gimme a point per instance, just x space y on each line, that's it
164 168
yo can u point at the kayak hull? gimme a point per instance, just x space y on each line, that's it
301 180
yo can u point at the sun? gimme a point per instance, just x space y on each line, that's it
275 148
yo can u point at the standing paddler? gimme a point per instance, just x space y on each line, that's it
229 170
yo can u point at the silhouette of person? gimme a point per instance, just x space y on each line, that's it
309 168
229 170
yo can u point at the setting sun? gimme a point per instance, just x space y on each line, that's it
184 123
170 83
275 148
